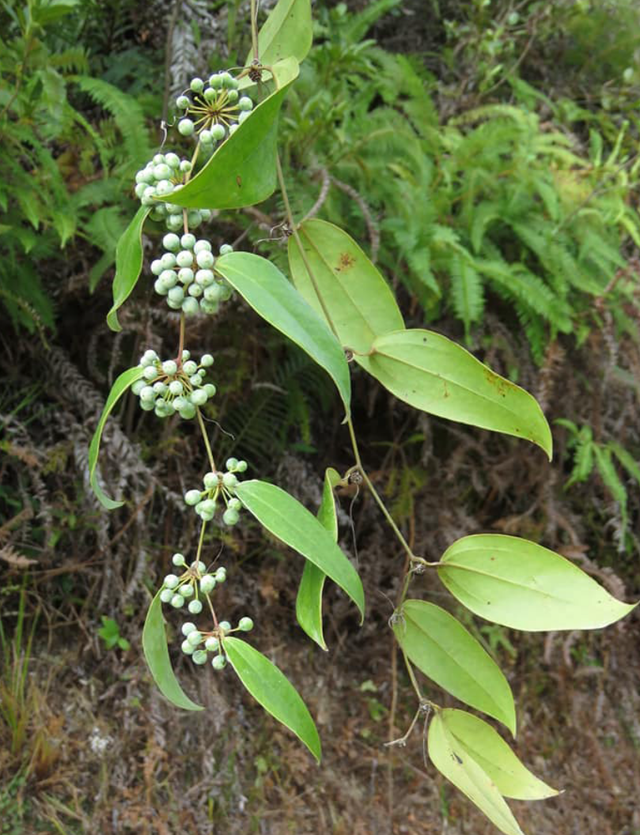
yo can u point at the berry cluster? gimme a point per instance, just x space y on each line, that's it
218 485
161 177
212 111
169 387
197 643
190 585
185 274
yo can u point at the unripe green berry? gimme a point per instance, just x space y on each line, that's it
205 214
231 464
215 81
210 94
200 657
218 132
140 189
160 388
233 129
205 278
219 662
234 504
150 373
176 295
186 590
177 601
195 607
185 166
184 258
225 249
192 497
171 581
194 218
221 575
194 637
242 467
212 644
224 626
230 481
147 405
156 266
186 276
172 160
197 85
245 103
206 360
147 393
174 222
160 287
180 402
188 241
188 412
178 559
190 307
205 259
243 116
188 628
245 624
226 79
207 584
186 127
166 595
186 647
189 367
186 355
199 397
171 242
206 137
210 389
169 367
176 387
183 102
198 565
201 246
137 387
162 171
210 480
230 517
232 96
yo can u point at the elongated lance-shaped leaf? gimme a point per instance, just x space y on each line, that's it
520 584
493 755
309 599
447 653
273 691
120 386
458 766
273 297
432 373
287 31
298 528
242 171
346 289
128 265
156 653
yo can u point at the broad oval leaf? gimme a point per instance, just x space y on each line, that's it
432 373
122 383
520 584
458 766
128 265
242 171
291 522
287 31
309 599
156 653
493 755
273 691
356 300
447 653
273 297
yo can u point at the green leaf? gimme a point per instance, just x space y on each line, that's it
291 522
443 650
272 296
357 302
520 584
286 32
156 653
484 745
273 691
128 265
309 599
122 383
456 764
242 171
628 461
432 373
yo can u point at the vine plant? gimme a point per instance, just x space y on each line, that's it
338 308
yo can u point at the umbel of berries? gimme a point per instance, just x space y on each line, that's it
218 488
167 388
185 275
157 181
212 111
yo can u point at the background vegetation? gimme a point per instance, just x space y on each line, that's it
486 154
